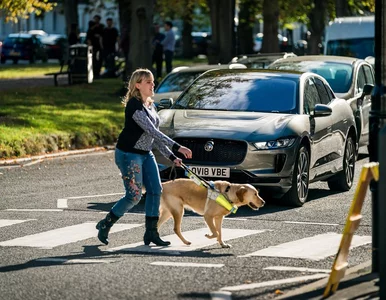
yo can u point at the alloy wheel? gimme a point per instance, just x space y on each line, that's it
349 163
302 177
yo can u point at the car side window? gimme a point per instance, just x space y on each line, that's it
325 96
311 96
361 81
369 75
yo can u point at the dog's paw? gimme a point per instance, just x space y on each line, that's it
210 236
187 243
225 245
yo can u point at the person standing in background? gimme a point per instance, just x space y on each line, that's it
168 44
158 50
97 46
110 38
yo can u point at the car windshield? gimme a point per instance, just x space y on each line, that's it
360 48
255 92
338 75
177 82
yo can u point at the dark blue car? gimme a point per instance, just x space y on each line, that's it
23 46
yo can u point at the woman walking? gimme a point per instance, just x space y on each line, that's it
135 160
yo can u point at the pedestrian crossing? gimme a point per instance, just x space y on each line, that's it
315 248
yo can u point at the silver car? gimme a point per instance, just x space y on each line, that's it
347 76
276 130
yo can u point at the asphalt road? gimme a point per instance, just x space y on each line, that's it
48 248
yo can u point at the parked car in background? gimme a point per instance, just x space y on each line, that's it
56 46
276 130
348 77
258 42
181 77
23 46
260 60
350 36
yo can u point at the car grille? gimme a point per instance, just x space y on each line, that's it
228 152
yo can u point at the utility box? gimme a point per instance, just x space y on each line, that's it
81 63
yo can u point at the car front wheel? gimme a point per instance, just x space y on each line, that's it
344 179
298 193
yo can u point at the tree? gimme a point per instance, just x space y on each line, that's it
141 35
222 13
247 19
271 26
70 8
13 10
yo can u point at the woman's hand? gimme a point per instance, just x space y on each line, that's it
178 162
185 151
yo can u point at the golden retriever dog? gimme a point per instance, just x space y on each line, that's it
185 193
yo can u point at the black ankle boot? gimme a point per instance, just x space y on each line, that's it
151 234
104 227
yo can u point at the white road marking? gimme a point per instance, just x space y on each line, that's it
75 261
311 223
258 285
314 248
221 295
32 163
61 236
283 268
33 209
4 223
61 203
181 264
94 196
196 237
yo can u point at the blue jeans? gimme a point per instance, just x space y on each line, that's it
138 170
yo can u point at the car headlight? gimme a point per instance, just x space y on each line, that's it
277 144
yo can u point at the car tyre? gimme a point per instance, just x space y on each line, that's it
343 181
32 59
3 60
298 193
15 61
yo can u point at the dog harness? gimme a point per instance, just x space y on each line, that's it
213 193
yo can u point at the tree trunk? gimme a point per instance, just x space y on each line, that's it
124 7
187 42
317 24
245 29
141 33
70 8
341 8
271 27
221 48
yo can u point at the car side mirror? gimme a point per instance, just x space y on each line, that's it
367 89
165 103
322 110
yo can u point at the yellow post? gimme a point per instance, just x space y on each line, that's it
369 172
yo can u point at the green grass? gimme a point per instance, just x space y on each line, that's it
37 120
27 70
46 119
39 69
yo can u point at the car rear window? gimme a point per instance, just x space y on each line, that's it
16 40
255 92
338 75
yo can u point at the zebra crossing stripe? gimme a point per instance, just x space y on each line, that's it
4 223
317 247
61 236
196 237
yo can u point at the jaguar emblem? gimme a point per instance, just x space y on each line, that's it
209 146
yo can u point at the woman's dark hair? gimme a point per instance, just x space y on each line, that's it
170 24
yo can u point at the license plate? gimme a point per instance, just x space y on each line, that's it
211 171
14 53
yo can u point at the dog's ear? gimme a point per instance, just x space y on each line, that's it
240 193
